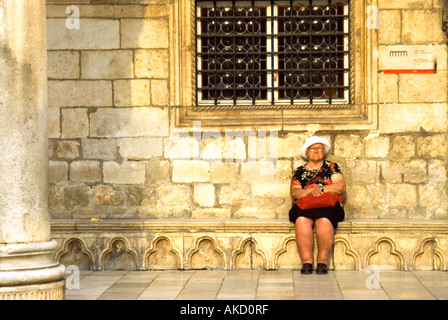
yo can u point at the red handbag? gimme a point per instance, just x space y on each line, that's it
327 199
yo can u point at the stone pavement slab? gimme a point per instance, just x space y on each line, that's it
258 285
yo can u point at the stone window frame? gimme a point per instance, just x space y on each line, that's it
360 114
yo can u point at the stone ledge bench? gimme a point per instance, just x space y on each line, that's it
229 244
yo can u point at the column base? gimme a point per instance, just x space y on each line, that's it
28 271
43 291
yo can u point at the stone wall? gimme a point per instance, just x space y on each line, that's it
116 155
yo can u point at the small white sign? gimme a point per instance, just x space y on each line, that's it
408 59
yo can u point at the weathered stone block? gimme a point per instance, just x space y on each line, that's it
212 147
358 196
283 171
57 171
377 146
107 196
234 194
54 125
412 87
160 94
362 171
390 24
151 63
191 171
412 117
204 194
139 11
289 146
433 195
432 146
75 123
378 196
79 93
415 171
259 171
67 149
102 149
263 145
234 147
158 172
181 147
140 148
403 147
349 147
388 88
85 171
92 34
223 172
128 172
128 93
173 197
129 122
437 171
116 64
421 26
141 196
391 171
278 190
144 33
63 65
76 195
402 195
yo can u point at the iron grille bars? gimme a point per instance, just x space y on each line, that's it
272 52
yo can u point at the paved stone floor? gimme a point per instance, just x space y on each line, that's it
257 285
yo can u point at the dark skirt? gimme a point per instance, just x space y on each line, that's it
335 214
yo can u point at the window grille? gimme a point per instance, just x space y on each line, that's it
272 52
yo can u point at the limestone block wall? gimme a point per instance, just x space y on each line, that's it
116 154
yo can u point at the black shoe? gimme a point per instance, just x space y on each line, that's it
321 268
307 268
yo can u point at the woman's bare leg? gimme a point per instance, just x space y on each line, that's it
305 239
325 239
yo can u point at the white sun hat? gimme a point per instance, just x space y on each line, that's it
313 140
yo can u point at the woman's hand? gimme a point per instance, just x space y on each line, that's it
314 191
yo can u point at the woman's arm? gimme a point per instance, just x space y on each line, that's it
297 191
337 185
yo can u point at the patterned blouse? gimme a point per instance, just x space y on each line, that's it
322 175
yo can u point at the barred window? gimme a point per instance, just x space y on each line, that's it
272 52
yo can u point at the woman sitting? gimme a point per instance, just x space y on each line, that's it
326 177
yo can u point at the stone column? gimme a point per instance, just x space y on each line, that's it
27 267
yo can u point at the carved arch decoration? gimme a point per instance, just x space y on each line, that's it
249 255
206 254
287 257
428 256
162 256
343 257
74 251
385 256
118 255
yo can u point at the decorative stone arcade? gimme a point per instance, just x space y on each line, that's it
27 267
